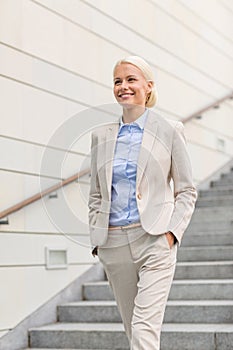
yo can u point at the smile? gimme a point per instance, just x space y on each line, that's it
125 95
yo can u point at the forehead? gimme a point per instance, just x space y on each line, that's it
126 69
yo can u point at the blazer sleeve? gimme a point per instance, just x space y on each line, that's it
184 190
94 201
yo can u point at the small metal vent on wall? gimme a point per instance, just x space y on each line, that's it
220 144
56 258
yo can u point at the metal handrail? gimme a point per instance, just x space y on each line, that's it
76 176
40 195
210 106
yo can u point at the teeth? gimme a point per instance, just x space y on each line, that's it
125 95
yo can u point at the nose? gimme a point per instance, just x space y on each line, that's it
124 84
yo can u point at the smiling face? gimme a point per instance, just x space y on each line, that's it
130 86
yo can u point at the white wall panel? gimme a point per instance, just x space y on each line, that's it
208 138
219 119
212 12
11 21
29 249
132 39
202 168
158 28
15 187
11 108
29 113
62 44
26 157
173 94
51 78
189 19
11 188
228 4
68 213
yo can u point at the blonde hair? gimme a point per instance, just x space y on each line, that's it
146 70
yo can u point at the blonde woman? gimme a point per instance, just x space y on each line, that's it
141 200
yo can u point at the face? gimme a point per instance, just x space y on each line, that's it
130 85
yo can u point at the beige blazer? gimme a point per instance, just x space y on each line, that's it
165 192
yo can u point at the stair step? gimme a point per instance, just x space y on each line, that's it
211 253
212 214
215 192
223 201
226 176
97 291
190 311
203 239
199 311
112 336
181 289
221 185
207 239
224 180
201 290
80 335
204 270
213 226
89 311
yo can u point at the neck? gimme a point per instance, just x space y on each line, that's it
130 114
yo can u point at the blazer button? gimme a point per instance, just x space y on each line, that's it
139 196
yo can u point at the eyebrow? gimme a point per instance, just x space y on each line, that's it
128 76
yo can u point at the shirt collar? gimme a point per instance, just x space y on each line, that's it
139 121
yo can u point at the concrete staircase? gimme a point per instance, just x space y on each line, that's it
199 314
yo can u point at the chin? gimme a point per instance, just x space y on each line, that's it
126 104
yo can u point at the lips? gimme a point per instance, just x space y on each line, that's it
125 95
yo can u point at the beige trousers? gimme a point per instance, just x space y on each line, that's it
140 269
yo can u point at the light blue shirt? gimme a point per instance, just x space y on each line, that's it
124 209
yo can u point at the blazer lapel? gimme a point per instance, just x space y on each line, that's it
148 139
110 143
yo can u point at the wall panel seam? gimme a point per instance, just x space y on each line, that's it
213 131
53 93
44 90
85 104
31 174
151 42
54 64
205 21
33 143
43 233
191 30
212 149
132 53
76 101
223 4
44 265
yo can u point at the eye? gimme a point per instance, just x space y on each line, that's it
131 79
117 82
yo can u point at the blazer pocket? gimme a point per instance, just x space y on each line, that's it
166 242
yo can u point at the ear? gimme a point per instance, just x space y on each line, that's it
150 85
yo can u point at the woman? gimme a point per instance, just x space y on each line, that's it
141 200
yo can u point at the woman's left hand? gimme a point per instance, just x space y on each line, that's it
170 238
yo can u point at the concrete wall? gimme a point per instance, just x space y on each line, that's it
56 59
